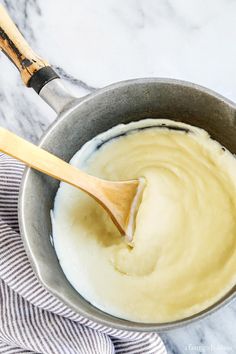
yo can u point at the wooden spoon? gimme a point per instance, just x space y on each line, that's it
119 199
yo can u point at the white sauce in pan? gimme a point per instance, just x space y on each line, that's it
184 255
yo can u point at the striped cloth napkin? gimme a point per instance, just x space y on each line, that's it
31 319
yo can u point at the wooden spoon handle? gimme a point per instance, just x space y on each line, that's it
18 50
47 163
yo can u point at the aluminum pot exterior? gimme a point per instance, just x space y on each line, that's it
79 122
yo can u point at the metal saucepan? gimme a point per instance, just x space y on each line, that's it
78 121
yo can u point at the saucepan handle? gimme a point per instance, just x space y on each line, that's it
35 71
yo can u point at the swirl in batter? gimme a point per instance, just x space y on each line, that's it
184 254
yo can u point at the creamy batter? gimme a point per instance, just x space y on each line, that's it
184 254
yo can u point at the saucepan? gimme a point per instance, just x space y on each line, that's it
79 120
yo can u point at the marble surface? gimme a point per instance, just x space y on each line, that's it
94 43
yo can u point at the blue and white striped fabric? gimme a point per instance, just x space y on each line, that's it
31 319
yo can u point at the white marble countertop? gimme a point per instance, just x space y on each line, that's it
94 43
